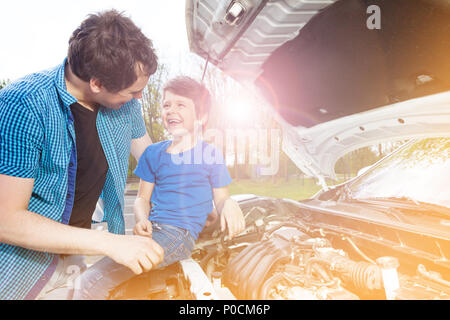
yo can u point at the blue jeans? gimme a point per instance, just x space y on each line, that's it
97 281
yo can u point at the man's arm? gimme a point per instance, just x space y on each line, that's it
230 213
24 228
139 145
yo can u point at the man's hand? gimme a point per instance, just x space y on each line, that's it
143 228
24 228
232 217
135 252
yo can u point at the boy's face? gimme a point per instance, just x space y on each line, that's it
178 114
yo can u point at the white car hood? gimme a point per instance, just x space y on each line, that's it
243 50
315 150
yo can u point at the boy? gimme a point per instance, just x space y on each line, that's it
180 178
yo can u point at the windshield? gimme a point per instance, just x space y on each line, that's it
419 171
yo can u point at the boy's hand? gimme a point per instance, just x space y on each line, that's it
143 228
212 218
232 217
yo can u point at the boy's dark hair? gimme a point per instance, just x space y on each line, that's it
190 88
107 46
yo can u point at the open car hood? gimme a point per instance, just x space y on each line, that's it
335 83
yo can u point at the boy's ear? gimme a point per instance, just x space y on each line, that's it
95 85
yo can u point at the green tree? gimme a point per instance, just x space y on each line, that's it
151 104
4 83
226 93
151 110
351 163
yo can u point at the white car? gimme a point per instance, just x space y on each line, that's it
339 75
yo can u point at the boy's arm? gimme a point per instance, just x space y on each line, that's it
142 208
230 213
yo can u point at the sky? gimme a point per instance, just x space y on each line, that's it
35 34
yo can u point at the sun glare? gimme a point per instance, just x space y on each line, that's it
239 112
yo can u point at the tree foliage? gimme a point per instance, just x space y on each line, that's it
354 161
151 104
351 163
229 97
4 83
151 110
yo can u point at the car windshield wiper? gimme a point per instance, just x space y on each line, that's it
410 204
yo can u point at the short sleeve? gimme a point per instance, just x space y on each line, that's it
144 167
219 175
20 140
138 128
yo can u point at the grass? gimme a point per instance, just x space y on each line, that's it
294 188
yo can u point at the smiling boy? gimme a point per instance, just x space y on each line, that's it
176 190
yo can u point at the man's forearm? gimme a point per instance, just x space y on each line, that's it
32 231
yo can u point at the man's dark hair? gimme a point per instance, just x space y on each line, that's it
108 46
190 88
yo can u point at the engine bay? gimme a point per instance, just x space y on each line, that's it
287 254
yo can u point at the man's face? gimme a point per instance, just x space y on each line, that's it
116 100
178 114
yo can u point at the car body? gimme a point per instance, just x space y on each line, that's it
336 82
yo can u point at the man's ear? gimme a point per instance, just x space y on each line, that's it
95 85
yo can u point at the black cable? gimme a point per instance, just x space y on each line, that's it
206 67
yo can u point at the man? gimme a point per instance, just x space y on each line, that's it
65 138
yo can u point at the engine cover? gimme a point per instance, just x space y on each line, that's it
246 272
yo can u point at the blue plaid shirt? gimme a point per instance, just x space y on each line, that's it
37 140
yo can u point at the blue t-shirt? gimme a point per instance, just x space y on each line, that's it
182 195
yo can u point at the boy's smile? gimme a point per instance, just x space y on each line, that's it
178 114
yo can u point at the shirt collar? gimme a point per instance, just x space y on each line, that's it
59 78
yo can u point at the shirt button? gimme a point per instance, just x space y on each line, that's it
68 195
71 164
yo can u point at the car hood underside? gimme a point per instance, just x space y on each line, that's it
334 84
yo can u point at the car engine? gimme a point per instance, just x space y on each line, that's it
282 255
291 265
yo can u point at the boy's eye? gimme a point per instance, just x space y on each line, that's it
181 105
